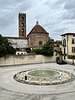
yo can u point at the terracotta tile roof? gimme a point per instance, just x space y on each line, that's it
68 34
56 42
38 29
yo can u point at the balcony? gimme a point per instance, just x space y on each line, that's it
64 53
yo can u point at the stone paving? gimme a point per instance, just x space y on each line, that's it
12 90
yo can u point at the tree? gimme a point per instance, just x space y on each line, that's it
48 48
5 48
28 50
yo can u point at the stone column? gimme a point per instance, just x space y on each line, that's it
67 78
50 81
40 81
30 80
60 80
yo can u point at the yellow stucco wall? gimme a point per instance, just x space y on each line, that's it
69 44
27 59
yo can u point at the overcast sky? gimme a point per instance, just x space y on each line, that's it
55 16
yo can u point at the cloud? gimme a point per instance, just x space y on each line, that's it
70 5
56 16
9 12
69 10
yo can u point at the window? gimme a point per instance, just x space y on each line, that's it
73 35
22 24
31 43
22 18
64 42
22 30
64 51
73 49
40 42
73 41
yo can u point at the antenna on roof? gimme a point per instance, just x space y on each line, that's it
37 23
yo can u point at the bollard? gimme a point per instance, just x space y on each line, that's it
50 81
60 80
40 81
67 78
17 75
70 74
30 80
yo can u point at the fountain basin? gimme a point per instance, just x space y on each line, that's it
43 74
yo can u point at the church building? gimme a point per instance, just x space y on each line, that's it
36 37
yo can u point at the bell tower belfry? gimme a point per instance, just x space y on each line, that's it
22 25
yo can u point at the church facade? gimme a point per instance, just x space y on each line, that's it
36 37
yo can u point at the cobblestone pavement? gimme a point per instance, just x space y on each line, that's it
12 90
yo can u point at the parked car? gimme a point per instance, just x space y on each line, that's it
60 62
21 52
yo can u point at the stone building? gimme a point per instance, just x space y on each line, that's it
37 36
68 45
35 39
57 46
20 43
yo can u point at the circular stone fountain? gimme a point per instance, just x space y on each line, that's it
44 77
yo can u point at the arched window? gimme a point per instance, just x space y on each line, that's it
22 18
22 30
64 42
22 24
40 42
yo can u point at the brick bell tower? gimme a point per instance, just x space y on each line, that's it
22 25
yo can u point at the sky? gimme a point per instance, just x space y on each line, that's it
57 17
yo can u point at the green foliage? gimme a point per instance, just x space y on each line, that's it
59 52
11 50
37 51
47 49
28 50
71 56
5 48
